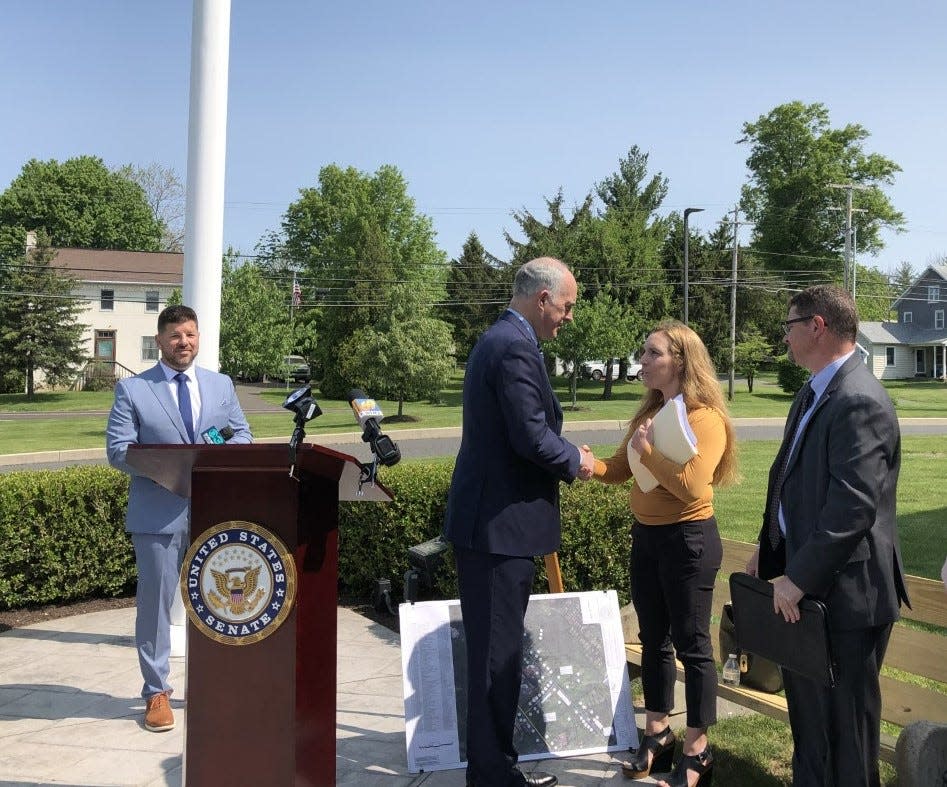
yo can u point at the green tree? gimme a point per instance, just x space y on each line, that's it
39 328
872 295
601 328
406 356
254 321
478 288
353 238
632 240
575 239
795 156
750 353
78 203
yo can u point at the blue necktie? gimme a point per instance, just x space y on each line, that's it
184 404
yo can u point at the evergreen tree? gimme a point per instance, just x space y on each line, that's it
478 289
39 330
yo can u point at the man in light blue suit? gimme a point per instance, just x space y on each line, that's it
170 403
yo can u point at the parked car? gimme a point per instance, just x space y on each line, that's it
596 369
296 368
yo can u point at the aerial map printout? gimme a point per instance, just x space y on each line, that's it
574 698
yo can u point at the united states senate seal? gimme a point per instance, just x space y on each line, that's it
238 582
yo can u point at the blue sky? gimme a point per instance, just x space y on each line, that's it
486 107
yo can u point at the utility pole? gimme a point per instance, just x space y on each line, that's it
687 213
733 302
849 257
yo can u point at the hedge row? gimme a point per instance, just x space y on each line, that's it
63 535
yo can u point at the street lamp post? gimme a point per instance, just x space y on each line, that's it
687 213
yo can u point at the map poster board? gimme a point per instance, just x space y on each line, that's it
574 698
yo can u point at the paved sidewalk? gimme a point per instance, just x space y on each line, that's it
70 711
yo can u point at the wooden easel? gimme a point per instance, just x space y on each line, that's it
553 573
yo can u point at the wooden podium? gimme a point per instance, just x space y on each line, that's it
264 713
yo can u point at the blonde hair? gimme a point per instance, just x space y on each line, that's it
699 387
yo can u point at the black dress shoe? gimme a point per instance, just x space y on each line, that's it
540 779
535 779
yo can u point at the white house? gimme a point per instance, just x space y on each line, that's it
915 345
123 291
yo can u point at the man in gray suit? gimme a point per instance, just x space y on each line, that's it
170 403
829 533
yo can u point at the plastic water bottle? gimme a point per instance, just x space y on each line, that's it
731 670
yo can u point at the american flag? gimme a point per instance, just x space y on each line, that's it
297 293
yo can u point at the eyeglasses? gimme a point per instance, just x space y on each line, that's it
787 324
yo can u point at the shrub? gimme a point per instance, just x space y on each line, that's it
63 535
373 539
790 376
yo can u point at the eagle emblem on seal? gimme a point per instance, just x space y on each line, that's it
237 590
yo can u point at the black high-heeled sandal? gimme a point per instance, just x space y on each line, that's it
654 753
702 764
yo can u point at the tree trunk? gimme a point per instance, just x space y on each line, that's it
30 383
607 391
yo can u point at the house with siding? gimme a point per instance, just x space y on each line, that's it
123 292
916 345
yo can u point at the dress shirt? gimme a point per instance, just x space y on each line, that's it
818 382
192 387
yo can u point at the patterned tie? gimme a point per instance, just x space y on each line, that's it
806 395
184 404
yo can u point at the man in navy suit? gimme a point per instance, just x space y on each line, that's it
830 533
503 506
154 407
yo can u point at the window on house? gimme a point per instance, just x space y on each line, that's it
939 320
107 300
907 317
933 293
149 348
889 356
151 300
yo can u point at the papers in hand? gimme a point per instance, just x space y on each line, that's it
673 437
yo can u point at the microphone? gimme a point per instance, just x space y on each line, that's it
215 436
368 413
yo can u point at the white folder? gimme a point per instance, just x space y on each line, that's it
673 437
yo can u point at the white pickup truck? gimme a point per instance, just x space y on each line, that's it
596 369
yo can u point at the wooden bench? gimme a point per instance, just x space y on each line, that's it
909 650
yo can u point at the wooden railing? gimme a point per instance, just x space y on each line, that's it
101 374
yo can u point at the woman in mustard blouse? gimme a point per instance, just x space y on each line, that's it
676 549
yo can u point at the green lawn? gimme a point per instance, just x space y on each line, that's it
922 510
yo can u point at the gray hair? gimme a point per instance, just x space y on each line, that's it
543 273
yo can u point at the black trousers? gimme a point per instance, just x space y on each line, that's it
836 731
673 569
494 594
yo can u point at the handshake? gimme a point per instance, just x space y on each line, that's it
587 463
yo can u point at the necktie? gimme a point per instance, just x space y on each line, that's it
806 395
184 404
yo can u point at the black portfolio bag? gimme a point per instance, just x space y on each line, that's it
755 671
803 647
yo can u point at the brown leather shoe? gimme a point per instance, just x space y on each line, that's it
158 715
